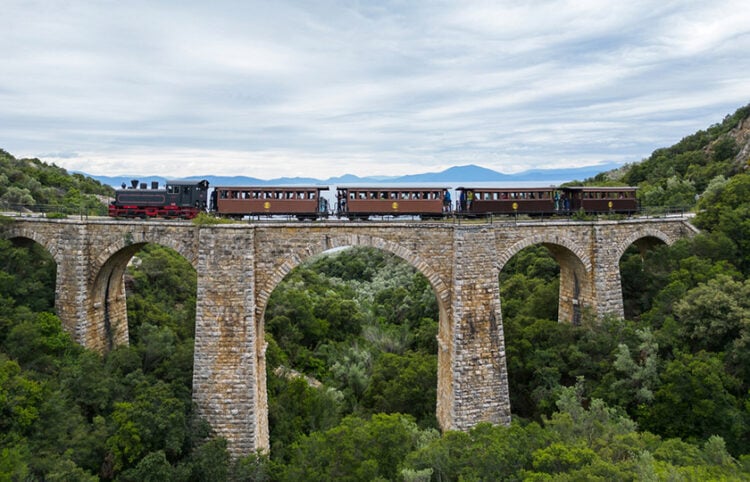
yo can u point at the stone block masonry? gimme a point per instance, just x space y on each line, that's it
239 265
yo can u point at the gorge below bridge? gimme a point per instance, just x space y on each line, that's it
239 265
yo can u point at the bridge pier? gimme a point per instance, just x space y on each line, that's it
229 366
478 372
72 293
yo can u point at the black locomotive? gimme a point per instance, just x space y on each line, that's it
178 199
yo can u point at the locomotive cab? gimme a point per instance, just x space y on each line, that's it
187 194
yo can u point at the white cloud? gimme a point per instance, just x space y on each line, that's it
327 88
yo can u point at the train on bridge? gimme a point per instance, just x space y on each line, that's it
186 199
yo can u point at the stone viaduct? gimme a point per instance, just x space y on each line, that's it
239 265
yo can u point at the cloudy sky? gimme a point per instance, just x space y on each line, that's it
322 88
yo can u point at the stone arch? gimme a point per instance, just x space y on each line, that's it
107 307
295 258
15 232
641 234
27 239
166 241
644 239
577 288
546 240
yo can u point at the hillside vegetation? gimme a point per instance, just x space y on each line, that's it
677 176
660 395
32 185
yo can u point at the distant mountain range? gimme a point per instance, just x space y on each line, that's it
451 176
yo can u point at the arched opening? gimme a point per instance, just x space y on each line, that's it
95 416
161 289
543 291
141 283
27 299
575 284
639 271
29 275
349 331
530 285
147 294
143 302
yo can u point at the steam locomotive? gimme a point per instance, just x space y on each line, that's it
185 199
178 199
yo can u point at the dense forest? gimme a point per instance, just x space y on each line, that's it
660 395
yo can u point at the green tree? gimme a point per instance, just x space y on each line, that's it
637 378
713 314
155 420
18 198
356 449
696 400
404 384
27 276
726 208
486 452
20 400
297 409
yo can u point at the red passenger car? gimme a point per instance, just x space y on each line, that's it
363 202
304 202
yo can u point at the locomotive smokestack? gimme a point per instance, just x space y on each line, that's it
134 184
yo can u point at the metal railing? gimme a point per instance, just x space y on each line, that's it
49 210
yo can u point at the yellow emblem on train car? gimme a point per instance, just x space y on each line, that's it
266 205
609 204
394 206
515 206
